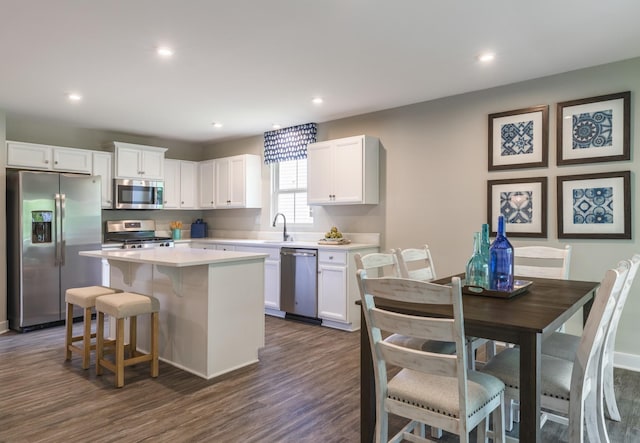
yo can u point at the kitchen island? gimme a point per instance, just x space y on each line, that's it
211 303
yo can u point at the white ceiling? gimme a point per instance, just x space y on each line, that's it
252 63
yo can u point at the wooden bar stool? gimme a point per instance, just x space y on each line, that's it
121 306
84 297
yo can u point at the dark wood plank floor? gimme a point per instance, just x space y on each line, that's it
305 389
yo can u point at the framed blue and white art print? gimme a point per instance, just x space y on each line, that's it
594 129
519 139
522 202
595 206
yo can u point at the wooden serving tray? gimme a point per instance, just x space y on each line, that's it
519 287
339 241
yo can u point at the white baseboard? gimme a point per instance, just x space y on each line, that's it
626 361
4 326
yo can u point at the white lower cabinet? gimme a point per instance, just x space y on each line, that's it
332 292
338 289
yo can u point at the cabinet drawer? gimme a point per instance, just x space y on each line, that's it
339 258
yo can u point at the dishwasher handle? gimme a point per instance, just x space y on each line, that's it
298 253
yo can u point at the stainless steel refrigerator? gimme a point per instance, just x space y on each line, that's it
50 217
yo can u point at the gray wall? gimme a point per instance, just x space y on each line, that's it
434 175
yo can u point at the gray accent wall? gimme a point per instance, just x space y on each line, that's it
4 324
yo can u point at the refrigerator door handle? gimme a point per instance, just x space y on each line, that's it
58 228
63 241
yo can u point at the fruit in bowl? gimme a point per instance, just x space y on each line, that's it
333 234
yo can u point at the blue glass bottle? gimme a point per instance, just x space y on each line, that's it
501 261
477 272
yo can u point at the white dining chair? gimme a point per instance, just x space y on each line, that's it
385 264
569 387
431 388
417 264
565 346
542 262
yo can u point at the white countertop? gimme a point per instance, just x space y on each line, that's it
174 257
278 243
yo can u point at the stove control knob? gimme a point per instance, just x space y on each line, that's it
123 247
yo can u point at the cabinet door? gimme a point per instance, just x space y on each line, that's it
332 292
72 160
152 164
171 184
237 181
223 178
272 284
348 171
128 163
320 173
207 179
24 155
188 184
225 248
102 167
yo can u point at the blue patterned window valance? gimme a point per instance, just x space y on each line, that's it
288 143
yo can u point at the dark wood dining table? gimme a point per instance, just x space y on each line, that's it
525 319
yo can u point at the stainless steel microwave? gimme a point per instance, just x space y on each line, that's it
137 194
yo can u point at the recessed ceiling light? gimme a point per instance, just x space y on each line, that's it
276 126
164 51
317 100
486 57
217 125
74 97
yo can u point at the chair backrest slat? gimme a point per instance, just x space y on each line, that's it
437 364
378 264
542 261
416 263
441 329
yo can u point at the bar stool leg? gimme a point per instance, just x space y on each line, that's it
154 344
99 342
69 327
119 352
133 337
86 339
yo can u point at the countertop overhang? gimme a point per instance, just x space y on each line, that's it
174 257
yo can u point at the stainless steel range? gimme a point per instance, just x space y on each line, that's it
129 234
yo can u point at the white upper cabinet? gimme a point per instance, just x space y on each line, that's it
48 158
102 166
180 184
343 171
238 182
138 161
207 180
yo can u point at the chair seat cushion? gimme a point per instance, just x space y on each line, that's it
439 347
555 377
127 304
440 394
86 296
561 345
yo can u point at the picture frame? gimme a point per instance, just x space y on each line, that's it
519 139
595 206
522 202
595 129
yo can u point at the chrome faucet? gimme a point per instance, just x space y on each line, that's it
285 236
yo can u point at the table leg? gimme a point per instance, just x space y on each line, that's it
530 350
367 386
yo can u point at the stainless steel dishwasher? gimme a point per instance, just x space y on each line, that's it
299 283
